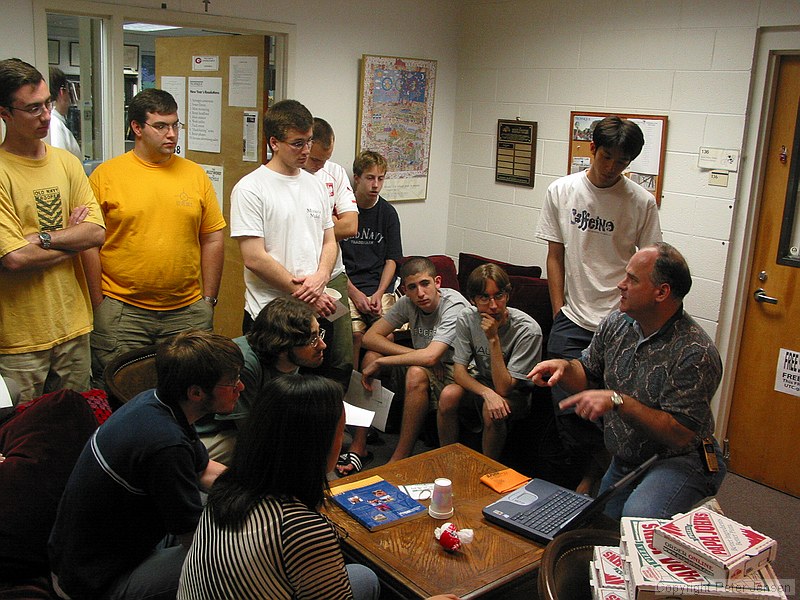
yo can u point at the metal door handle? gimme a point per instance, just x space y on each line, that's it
761 296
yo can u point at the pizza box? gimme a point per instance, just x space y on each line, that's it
609 594
714 544
608 568
652 574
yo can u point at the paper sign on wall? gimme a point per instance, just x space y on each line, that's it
205 113
216 174
250 136
205 63
787 375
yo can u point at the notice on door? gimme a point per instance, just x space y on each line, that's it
787 375
205 113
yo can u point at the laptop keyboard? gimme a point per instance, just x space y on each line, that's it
550 516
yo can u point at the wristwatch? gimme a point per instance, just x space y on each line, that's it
616 400
46 240
211 300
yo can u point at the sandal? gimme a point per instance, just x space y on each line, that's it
351 459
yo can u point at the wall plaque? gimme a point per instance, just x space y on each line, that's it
516 152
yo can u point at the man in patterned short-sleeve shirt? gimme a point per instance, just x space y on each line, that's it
649 374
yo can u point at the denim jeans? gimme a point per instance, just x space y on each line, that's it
363 582
672 485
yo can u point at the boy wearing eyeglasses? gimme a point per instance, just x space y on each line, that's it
159 270
48 214
504 344
285 337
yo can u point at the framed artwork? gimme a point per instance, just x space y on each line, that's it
53 52
74 54
647 169
395 119
130 57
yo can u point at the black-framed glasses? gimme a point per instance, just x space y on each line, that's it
163 128
37 110
300 144
316 338
486 298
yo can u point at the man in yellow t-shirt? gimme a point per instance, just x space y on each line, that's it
48 215
159 270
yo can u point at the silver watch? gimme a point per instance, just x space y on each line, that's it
211 300
46 240
616 400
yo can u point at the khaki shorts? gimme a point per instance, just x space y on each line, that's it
435 385
361 322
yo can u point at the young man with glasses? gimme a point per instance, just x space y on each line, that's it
285 337
48 215
281 217
158 272
132 504
505 344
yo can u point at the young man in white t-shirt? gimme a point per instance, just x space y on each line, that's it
281 217
338 362
593 223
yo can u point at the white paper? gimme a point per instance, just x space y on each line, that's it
177 87
205 63
787 374
647 161
378 400
5 395
418 491
205 113
250 136
357 417
243 75
216 174
341 310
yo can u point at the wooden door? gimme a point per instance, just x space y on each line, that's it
174 58
764 423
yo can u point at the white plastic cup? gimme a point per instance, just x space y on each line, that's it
442 500
335 294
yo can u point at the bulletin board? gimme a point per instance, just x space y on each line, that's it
648 168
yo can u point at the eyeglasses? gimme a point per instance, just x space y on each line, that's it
230 385
163 128
300 144
316 338
486 298
37 110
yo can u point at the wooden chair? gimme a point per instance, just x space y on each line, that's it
564 572
130 373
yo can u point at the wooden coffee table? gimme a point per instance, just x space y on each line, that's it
408 559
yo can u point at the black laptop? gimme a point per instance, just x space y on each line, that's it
540 510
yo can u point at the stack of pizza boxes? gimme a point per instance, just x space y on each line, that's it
695 556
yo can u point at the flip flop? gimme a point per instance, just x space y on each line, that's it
347 459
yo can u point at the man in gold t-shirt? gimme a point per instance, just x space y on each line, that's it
48 215
159 270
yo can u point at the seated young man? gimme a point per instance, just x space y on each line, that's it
431 314
132 503
285 336
505 344
371 256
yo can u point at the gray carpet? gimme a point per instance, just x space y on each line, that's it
770 512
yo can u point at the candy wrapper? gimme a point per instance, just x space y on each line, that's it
451 538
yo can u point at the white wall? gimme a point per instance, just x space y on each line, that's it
331 37
540 59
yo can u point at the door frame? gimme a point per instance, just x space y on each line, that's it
115 15
771 43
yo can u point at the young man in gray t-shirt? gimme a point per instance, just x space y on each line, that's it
504 343
431 314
